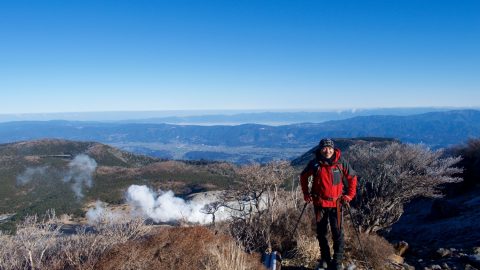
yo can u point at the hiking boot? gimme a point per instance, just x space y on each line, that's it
322 265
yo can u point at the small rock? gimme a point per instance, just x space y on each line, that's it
352 267
406 266
445 266
420 260
476 250
436 267
396 259
442 252
401 247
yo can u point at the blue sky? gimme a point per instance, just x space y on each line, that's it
82 55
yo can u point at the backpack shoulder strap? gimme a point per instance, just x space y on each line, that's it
343 163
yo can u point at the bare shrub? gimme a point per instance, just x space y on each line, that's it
9 253
83 249
211 209
33 240
31 246
392 175
80 251
260 202
123 229
38 244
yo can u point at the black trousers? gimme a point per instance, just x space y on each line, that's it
324 216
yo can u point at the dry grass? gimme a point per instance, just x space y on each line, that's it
179 248
230 256
307 249
377 249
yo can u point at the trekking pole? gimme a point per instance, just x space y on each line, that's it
358 235
298 221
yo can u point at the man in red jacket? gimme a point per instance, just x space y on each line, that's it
328 172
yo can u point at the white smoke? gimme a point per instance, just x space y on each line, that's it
31 174
165 207
99 213
80 173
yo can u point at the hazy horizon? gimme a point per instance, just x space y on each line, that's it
197 115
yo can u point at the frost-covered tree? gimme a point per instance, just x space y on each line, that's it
391 176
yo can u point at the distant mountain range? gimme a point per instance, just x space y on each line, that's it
279 118
252 141
217 117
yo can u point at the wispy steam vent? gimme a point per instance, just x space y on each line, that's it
31 174
80 173
100 213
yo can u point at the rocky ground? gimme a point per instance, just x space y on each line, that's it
442 233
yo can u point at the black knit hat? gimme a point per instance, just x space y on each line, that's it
326 142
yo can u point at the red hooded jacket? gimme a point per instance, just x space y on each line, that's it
328 177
